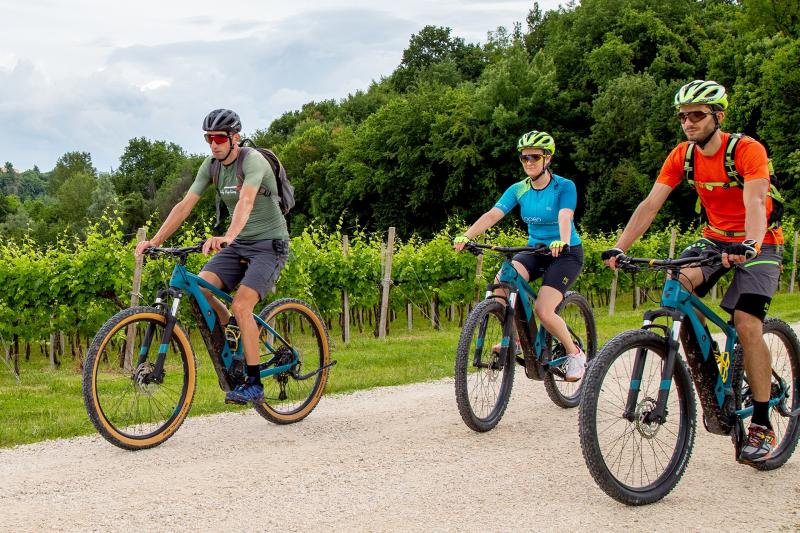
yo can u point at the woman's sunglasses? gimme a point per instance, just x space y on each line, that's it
530 158
218 138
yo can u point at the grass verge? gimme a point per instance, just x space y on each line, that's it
47 404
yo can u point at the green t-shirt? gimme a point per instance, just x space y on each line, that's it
266 220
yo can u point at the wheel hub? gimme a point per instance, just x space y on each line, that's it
143 380
646 429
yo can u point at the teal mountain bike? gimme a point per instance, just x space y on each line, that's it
637 417
144 406
485 358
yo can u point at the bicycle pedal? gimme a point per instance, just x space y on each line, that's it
234 402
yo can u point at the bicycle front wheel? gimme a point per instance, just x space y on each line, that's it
633 459
483 378
784 349
138 408
290 396
577 315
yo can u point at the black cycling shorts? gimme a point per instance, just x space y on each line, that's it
559 272
754 281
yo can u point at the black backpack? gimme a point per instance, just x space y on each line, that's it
736 180
285 197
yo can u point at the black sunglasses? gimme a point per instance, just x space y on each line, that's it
530 158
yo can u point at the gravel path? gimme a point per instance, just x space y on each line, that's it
389 459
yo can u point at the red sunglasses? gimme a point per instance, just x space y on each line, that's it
218 138
693 116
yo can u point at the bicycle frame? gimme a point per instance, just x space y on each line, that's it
680 304
183 281
515 284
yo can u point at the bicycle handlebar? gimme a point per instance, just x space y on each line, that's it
632 263
539 249
155 252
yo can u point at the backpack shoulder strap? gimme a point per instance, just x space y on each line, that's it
243 151
730 159
688 164
214 170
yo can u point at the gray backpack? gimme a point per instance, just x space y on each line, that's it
285 197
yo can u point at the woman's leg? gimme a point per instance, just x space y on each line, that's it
557 279
546 304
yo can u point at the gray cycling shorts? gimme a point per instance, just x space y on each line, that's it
754 281
254 264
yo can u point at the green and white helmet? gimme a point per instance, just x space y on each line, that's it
537 139
702 92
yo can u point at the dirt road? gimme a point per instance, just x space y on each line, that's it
391 459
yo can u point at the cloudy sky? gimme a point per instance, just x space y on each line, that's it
89 75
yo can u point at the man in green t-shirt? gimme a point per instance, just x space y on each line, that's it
256 244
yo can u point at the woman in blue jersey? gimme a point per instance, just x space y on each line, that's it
547 204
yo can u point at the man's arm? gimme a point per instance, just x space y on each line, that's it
241 213
754 196
755 209
176 216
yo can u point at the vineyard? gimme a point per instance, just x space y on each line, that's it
55 299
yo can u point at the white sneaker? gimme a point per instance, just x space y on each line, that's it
576 366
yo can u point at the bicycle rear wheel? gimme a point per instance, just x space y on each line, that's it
136 409
483 379
290 396
578 316
635 461
784 349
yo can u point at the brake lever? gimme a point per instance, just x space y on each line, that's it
474 250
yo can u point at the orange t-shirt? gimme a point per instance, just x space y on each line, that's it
724 207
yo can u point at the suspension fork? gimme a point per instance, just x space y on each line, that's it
166 338
150 331
659 413
508 329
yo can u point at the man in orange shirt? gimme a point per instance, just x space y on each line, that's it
737 226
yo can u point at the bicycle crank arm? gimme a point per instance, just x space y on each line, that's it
317 371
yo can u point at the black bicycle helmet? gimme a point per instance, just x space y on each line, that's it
222 120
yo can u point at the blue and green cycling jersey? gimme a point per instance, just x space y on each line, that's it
539 208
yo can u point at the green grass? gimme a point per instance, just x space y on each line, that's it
48 404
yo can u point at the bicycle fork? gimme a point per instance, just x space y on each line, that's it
156 375
503 356
650 410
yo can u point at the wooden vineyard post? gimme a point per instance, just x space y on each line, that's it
387 281
127 362
672 241
345 297
794 264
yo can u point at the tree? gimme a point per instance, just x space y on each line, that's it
430 48
781 16
7 207
68 165
73 200
145 165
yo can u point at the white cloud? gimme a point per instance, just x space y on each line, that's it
153 85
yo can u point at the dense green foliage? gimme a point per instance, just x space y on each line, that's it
74 286
435 139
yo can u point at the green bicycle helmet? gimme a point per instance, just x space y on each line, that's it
537 139
702 92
